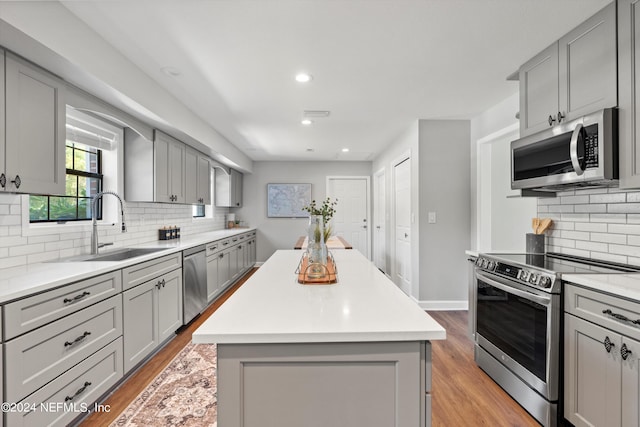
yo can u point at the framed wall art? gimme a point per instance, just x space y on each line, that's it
287 200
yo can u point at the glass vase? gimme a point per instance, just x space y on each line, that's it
316 247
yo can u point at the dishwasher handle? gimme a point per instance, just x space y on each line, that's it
193 251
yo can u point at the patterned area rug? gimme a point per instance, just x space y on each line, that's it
184 394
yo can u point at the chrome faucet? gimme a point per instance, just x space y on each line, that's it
94 230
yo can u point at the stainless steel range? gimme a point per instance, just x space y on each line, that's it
518 317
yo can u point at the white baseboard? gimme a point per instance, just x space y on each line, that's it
443 305
258 264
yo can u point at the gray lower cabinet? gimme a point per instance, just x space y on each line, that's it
629 89
41 355
602 359
373 384
76 389
152 313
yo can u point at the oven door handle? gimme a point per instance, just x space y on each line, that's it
515 291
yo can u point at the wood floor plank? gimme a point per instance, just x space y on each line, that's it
463 395
129 390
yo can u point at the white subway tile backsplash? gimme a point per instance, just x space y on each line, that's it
20 244
597 223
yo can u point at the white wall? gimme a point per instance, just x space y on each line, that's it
444 189
282 233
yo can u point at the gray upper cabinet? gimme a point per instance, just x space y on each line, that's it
33 151
198 178
169 165
228 188
574 76
628 114
154 170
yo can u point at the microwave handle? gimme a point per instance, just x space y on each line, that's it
573 149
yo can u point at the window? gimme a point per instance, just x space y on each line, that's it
83 181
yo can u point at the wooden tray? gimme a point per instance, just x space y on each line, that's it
330 277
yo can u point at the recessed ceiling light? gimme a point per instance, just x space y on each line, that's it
303 77
171 71
306 122
345 150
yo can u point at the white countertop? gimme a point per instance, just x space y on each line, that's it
18 282
364 306
623 285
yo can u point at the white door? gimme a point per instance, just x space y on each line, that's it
351 220
379 221
402 207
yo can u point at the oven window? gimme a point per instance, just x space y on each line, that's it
515 325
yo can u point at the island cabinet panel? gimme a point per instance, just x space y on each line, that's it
376 384
629 89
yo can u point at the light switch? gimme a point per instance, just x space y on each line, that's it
431 217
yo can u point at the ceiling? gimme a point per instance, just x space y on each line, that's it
377 65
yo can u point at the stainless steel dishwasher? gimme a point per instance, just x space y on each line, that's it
194 284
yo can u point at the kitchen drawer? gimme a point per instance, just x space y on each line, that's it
234 240
214 247
590 305
73 393
29 313
225 243
145 271
34 359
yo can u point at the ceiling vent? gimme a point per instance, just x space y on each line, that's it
315 113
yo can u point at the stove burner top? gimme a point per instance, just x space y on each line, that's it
541 270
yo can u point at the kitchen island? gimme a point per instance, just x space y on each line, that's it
355 353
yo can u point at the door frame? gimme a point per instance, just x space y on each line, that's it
381 173
368 208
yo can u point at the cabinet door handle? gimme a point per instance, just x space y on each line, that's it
3 181
77 340
77 297
620 317
551 119
221 256
608 345
560 116
17 181
79 392
163 283
624 352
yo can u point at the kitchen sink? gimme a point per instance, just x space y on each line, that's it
117 255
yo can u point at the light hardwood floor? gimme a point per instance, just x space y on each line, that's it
463 395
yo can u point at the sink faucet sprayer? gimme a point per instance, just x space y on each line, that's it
94 231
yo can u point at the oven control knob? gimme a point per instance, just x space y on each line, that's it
524 275
545 281
478 262
491 265
533 278
484 263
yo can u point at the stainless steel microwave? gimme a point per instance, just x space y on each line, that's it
578 153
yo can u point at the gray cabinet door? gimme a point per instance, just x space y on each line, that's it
629 89
2 123
236 189
204 180
631 383
212 275
191 177
588 66
140 331
35 129
538 90
224 268
169 169
169 302
592 383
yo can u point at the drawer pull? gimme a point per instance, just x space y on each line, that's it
79 392
620 317
76 298
77 340
608 345
625 352
160 284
